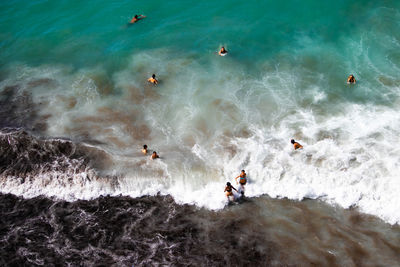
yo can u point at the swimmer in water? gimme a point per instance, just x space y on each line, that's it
144 149
228 190
154 155
152 79
351 79
295 144
136 18
222 51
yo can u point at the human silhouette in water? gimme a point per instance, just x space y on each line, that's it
351 79
136 18
222 51
296 145
228 190
144 149
152 79
154 155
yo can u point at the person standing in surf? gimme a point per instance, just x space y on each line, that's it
296 145
242 181
154 155
144 149
228 190
152 79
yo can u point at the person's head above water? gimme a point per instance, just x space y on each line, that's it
292 141
351 79
242 170
152 79
145 146
228 184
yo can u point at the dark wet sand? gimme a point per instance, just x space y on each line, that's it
153 231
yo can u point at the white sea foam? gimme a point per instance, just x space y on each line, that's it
206 132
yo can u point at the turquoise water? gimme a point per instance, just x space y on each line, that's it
331 39
284 77
90 33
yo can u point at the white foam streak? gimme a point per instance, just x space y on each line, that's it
358 170
350 156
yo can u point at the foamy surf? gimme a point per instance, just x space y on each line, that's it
220 120
357 170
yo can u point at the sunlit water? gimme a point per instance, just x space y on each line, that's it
75 70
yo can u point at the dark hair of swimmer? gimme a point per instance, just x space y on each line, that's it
242 170
228 184
153 76
136 16
292 141
145 146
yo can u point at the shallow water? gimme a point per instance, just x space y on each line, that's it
156 231
153 230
